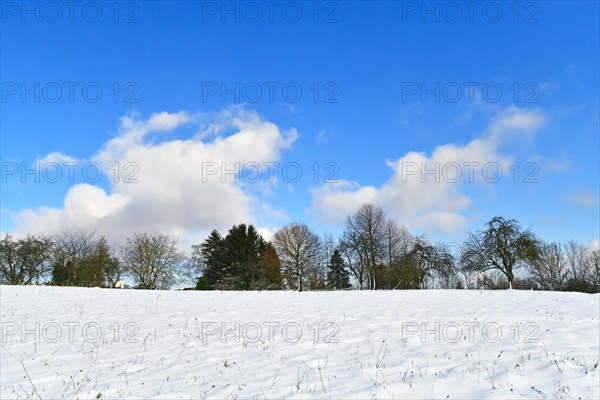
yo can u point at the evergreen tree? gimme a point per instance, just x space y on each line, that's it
211 257
233 262
112 268
89 273
62 274
201 285
243 246
337 274
100 268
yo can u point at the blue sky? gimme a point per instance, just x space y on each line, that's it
367 91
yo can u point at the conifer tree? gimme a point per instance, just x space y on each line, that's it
210 255
337 274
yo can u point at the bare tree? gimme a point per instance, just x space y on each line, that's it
25 260
328 246
366 230
398 240
502 246
576 255
354 255
550 269
444 265
153 260
299 250
470 277
592 267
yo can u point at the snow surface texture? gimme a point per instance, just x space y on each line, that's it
102 343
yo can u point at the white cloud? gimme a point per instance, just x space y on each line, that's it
514 121
323 137
552 164
334 201
56 157
584 199
441 221
172 195
266 232
432 201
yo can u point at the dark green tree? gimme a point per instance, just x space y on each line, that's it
202 284
211 258
62 273
233 262
338 276
243 246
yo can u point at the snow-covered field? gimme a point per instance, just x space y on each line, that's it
99 343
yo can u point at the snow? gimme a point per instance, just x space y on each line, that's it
382 344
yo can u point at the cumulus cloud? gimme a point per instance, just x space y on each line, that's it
425 191
164 185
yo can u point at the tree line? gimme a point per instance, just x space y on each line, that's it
373 252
